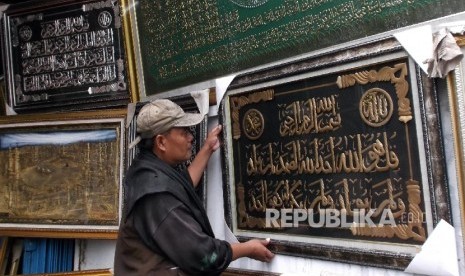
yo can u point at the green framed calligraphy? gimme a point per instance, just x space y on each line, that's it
192 41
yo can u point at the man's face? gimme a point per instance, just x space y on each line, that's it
178 145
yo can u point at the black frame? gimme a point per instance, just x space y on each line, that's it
64 55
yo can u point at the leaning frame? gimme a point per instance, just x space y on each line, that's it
456 89
249 192
63 174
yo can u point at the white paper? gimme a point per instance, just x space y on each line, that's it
228 235
201 98
221 85
438 255
130 114
418 42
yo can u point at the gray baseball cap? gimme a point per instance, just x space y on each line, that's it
160 115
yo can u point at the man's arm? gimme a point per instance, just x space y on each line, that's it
198 165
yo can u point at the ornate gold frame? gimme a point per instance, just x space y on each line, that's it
129 43
115 119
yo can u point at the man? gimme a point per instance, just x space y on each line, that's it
165 229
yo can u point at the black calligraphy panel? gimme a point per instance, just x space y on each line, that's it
335 156
65 56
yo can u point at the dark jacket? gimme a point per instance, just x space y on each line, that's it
165 229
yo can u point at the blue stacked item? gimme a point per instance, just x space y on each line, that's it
47 255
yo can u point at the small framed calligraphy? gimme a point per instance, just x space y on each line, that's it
62 174
333 158
65 55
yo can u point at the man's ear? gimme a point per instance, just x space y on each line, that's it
159 142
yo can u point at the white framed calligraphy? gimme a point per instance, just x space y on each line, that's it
332 157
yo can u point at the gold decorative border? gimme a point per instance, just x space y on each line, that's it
397 75
384 74
460 40
68 116
129 48
240 101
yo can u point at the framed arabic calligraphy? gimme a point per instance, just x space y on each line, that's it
333 158
62 174
196 41
65 55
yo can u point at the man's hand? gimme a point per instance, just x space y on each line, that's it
255 249
259 250
213 140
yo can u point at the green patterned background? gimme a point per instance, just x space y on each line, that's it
188 41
